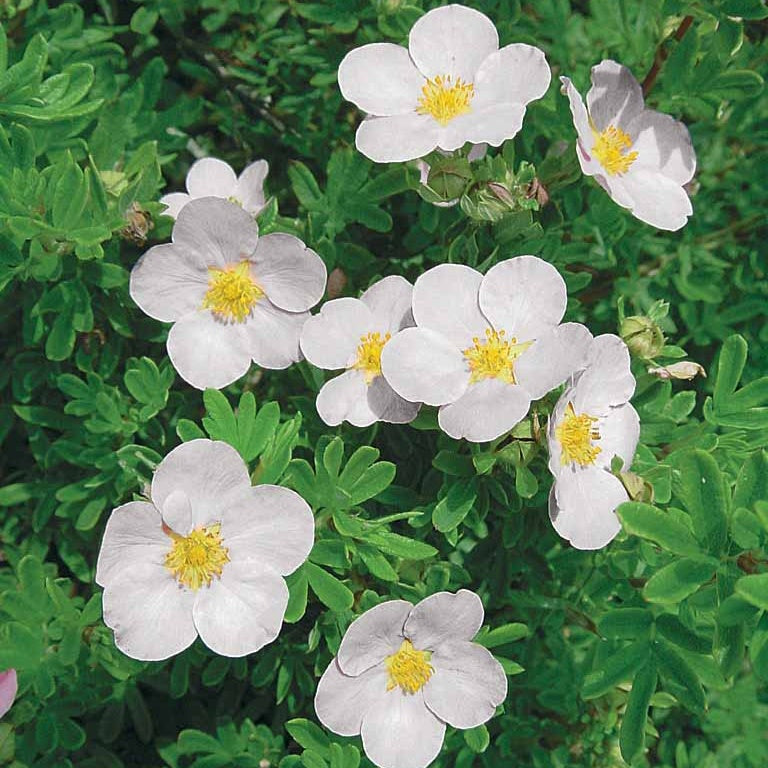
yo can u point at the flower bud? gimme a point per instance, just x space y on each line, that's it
643 337
685 370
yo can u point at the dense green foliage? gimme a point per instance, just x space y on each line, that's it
655 648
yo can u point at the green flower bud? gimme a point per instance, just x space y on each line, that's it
643 337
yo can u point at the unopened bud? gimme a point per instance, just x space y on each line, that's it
685 370
643 337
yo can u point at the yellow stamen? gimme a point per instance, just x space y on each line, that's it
195 559
610 147
369 355
444 99
232 292
408 668
576 433
493 357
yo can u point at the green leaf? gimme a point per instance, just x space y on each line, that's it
676 581
618 668
454 506
308 735
651 523
699 483
625 623
754 589
477 739
297 596
401 546
632 731
329 590
507 633
674 667
752 481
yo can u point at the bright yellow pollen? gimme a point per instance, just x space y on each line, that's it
609 149
493 357
232 292
369 355
194 560
576 433
408 668
444 99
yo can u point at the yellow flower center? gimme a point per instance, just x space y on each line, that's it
494 356
610 148
232 292
576 432
195 559
408 668
444 99
369 355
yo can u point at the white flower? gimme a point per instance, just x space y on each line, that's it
351 333
592 422
451 85
206 556
404 671
642 158
485 347
210 177
233 297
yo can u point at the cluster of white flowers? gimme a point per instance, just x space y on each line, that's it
206 554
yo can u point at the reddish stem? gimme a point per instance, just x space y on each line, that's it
661 55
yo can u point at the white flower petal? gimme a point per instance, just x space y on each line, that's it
615 97
443 617
341 701
485 411
168 283
552 359
585 139
177 512
656 199
389 300
452 40
215 231
372 637
211 473
445 299
292 275
330 338
397 138
399 731
242 611
607 379
174 201
515 74
269 525
208 353
272 335
525 296
663 144
585 503
619 433
150 614
493 125
380 79
211 177
133 534
345 398
388 405
422 366
467 685
249 189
